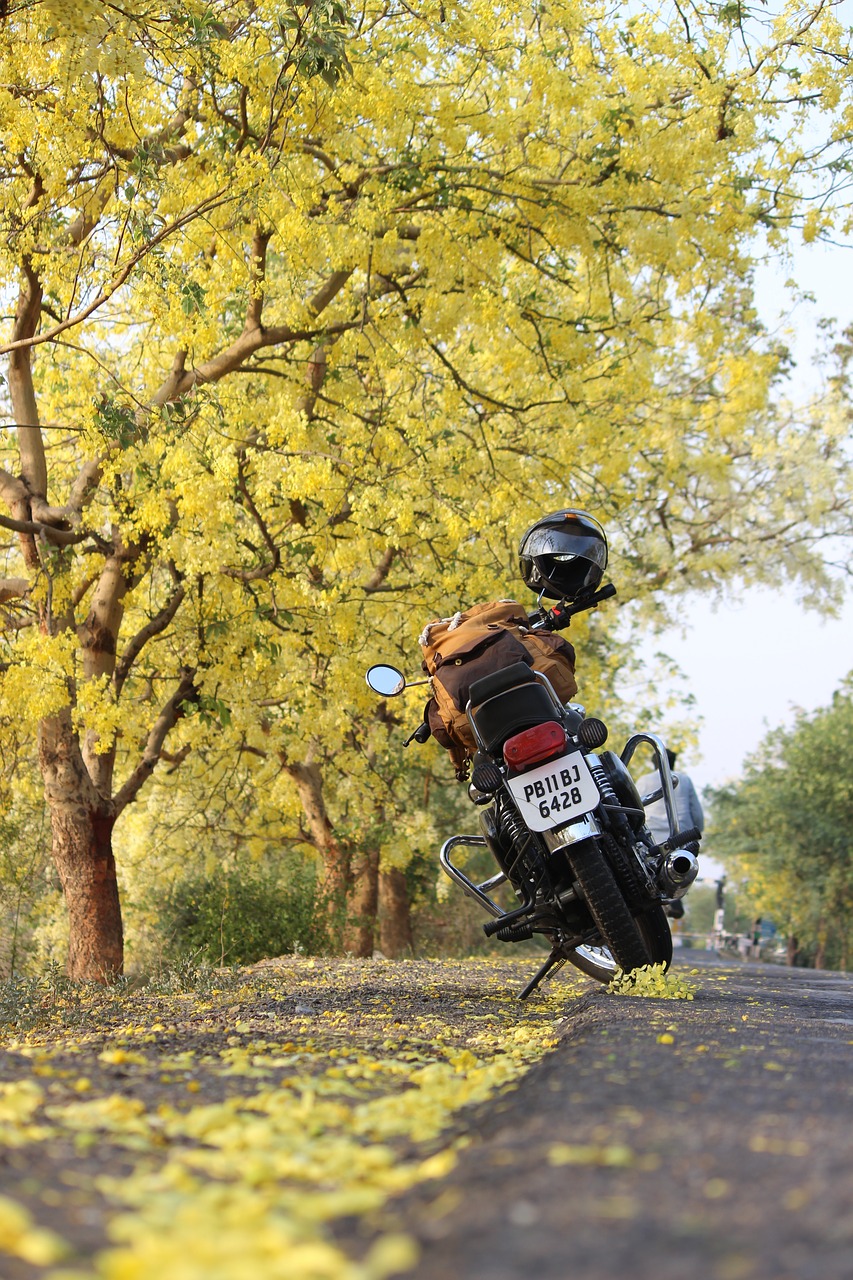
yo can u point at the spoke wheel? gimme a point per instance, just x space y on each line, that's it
595 962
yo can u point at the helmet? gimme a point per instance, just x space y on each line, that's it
563 556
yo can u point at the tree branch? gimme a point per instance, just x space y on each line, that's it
264 570
13 588
235 355
12 491
59 537
258 265
380 573
329 290
165 722
153 628
21 390
205 206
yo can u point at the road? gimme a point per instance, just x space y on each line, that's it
663 1139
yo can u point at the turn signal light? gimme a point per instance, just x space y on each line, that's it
539 743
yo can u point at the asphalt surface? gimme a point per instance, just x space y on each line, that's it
662 1139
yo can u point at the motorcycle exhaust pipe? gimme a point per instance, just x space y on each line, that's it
678 871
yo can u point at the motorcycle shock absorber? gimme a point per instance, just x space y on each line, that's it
605 786
509 838
525 867
620 834
610 800
528 861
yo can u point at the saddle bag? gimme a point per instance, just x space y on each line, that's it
475 643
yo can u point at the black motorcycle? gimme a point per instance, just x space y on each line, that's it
565 822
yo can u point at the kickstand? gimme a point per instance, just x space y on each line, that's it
555 961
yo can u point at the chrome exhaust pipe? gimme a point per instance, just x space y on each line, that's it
678 871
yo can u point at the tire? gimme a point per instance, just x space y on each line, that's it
620 932
657 935
598 962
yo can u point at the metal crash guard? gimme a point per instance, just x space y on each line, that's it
666 789
479 892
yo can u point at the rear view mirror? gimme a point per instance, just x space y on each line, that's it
385 680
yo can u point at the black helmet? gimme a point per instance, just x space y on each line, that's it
563 556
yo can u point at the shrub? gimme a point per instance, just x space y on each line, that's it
238 913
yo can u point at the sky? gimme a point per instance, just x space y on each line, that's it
750 666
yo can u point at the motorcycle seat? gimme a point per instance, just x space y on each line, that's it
507 713
497 681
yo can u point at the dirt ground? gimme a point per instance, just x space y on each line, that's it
94 1085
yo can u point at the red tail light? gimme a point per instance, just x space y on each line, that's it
533 745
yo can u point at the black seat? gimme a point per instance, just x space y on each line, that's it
506 678
510 711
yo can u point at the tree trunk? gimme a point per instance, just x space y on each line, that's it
395 921
335 877
82 825
362 905
82 852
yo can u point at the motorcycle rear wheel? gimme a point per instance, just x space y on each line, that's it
599 963
630 945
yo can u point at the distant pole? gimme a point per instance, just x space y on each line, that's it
719 927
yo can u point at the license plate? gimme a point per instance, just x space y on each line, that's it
555 793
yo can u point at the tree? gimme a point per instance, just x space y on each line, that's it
306 302
785 830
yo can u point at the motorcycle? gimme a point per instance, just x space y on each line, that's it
564 821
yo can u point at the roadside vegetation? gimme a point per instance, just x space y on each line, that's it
784 831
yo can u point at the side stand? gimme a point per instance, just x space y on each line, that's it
555 961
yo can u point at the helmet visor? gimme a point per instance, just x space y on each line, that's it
565 544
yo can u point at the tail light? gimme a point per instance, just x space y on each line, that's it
533 745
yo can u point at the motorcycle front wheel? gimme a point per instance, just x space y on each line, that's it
628 942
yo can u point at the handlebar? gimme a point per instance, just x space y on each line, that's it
561 614
421 735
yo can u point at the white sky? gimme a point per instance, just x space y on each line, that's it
750 666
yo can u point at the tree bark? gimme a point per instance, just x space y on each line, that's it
362 905
82 824
98 638
395 921
335 854
21 389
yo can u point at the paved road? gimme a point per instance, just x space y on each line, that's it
664 1139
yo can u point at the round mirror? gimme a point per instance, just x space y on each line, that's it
386 680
